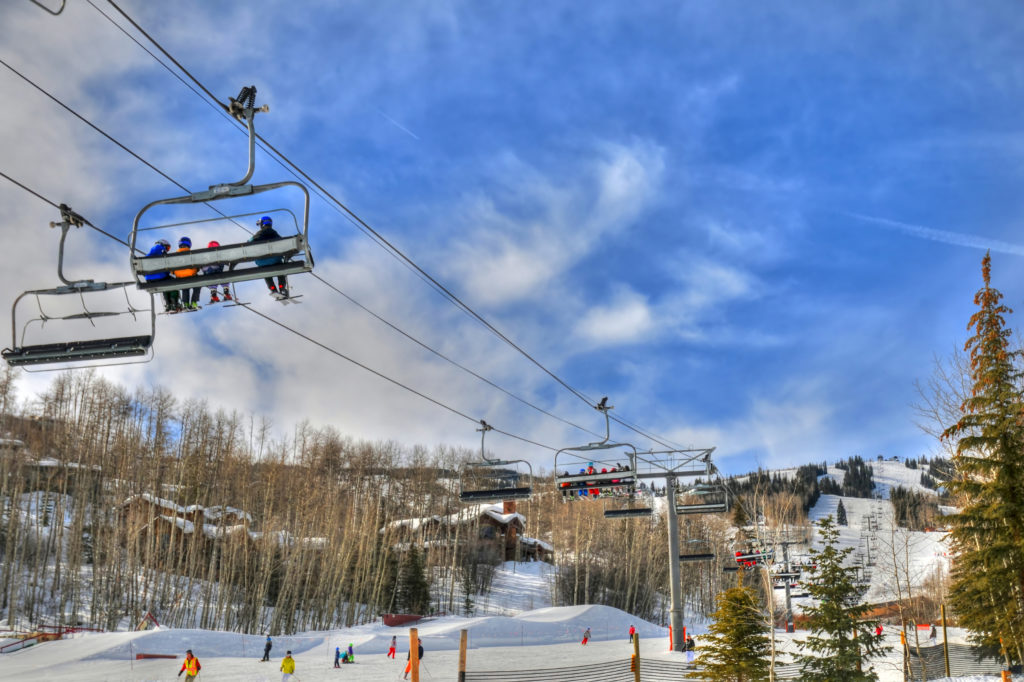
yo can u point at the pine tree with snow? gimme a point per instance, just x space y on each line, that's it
841 638
987 591
841 514
737 647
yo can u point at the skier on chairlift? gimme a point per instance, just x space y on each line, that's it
189 295
213 269
266 233
160 248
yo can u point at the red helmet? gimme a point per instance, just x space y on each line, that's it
212 244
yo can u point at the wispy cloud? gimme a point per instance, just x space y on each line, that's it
943 236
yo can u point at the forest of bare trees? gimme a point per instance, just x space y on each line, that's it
321 549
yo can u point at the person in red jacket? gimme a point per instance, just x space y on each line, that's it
632 631
190 667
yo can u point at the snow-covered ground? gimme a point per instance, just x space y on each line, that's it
543 638
530 634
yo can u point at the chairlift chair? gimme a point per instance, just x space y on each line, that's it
495 480
288 255
79 352
595 467
632 509
703 498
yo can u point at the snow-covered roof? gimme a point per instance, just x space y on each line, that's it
155 501
540 543
465 515
184 525
212 513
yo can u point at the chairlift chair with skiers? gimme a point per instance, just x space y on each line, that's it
494 480
69 353
587 470
240 262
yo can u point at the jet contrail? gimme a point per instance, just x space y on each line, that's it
943 236
397 124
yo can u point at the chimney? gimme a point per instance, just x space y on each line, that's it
508 507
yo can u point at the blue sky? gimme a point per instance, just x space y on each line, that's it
752 226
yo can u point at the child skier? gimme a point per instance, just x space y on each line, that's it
189 296
394 645
287 667
350 654
213 269
337 657
586 636
266 233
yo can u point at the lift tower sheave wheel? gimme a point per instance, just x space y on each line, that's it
494 480
240 262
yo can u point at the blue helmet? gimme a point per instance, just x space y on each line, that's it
185 241
266 221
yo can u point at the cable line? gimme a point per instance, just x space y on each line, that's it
57 206
387 378
450 360
328 348
330 199
92 125
440 287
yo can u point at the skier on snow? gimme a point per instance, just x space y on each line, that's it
190 667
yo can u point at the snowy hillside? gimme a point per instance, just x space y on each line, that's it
887 474
872 534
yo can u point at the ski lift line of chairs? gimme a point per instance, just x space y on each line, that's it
290 255
494 480
68 353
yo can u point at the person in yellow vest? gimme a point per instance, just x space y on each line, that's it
190 667
287 667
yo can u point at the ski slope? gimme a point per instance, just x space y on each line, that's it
533 639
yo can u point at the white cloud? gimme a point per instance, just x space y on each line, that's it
626 318
502 259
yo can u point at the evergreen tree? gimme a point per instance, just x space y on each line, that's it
841 637
739 515
737 648
988 575
414 590
841 514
